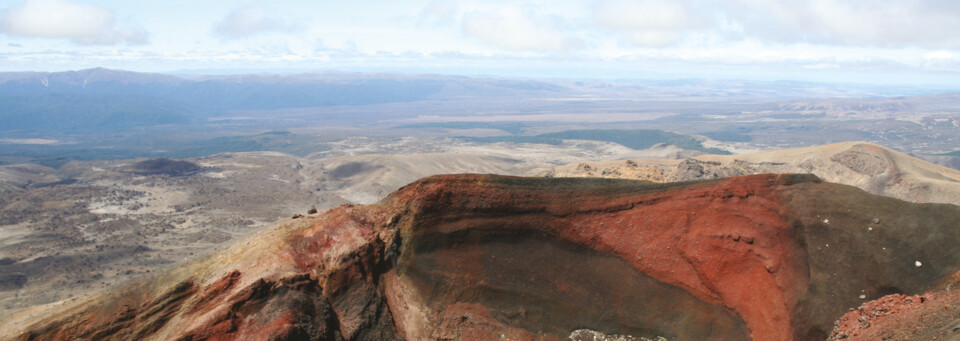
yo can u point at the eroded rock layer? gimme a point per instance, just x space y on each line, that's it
764 257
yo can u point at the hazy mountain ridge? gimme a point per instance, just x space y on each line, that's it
213 93
71 112
62 101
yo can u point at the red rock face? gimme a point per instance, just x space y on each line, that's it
931 316
763 257
117 320
289 309
725 243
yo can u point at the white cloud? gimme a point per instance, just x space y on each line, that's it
865 23
249 21
656 38
652 23
880 23
683 37
515 29
439 13
941 55
648 15
821 66
65 19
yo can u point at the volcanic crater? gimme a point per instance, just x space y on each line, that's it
481 257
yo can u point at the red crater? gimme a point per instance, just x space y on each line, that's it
764 257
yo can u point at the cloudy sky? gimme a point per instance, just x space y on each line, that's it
855 41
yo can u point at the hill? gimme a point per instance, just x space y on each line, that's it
368 178
873 168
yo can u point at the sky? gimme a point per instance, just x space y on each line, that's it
846 41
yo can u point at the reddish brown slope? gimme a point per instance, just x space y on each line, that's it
724 242
931 316
765 257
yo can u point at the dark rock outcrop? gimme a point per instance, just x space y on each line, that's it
165 166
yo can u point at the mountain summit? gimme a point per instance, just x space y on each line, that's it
763 257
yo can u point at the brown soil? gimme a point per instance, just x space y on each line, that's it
931 316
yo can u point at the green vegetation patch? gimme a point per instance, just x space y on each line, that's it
165 166
275 141
729 136
953 153
147 145
510 127
636 139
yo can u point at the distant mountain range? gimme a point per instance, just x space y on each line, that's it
105 100
102 99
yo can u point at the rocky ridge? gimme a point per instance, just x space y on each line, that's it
873 168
